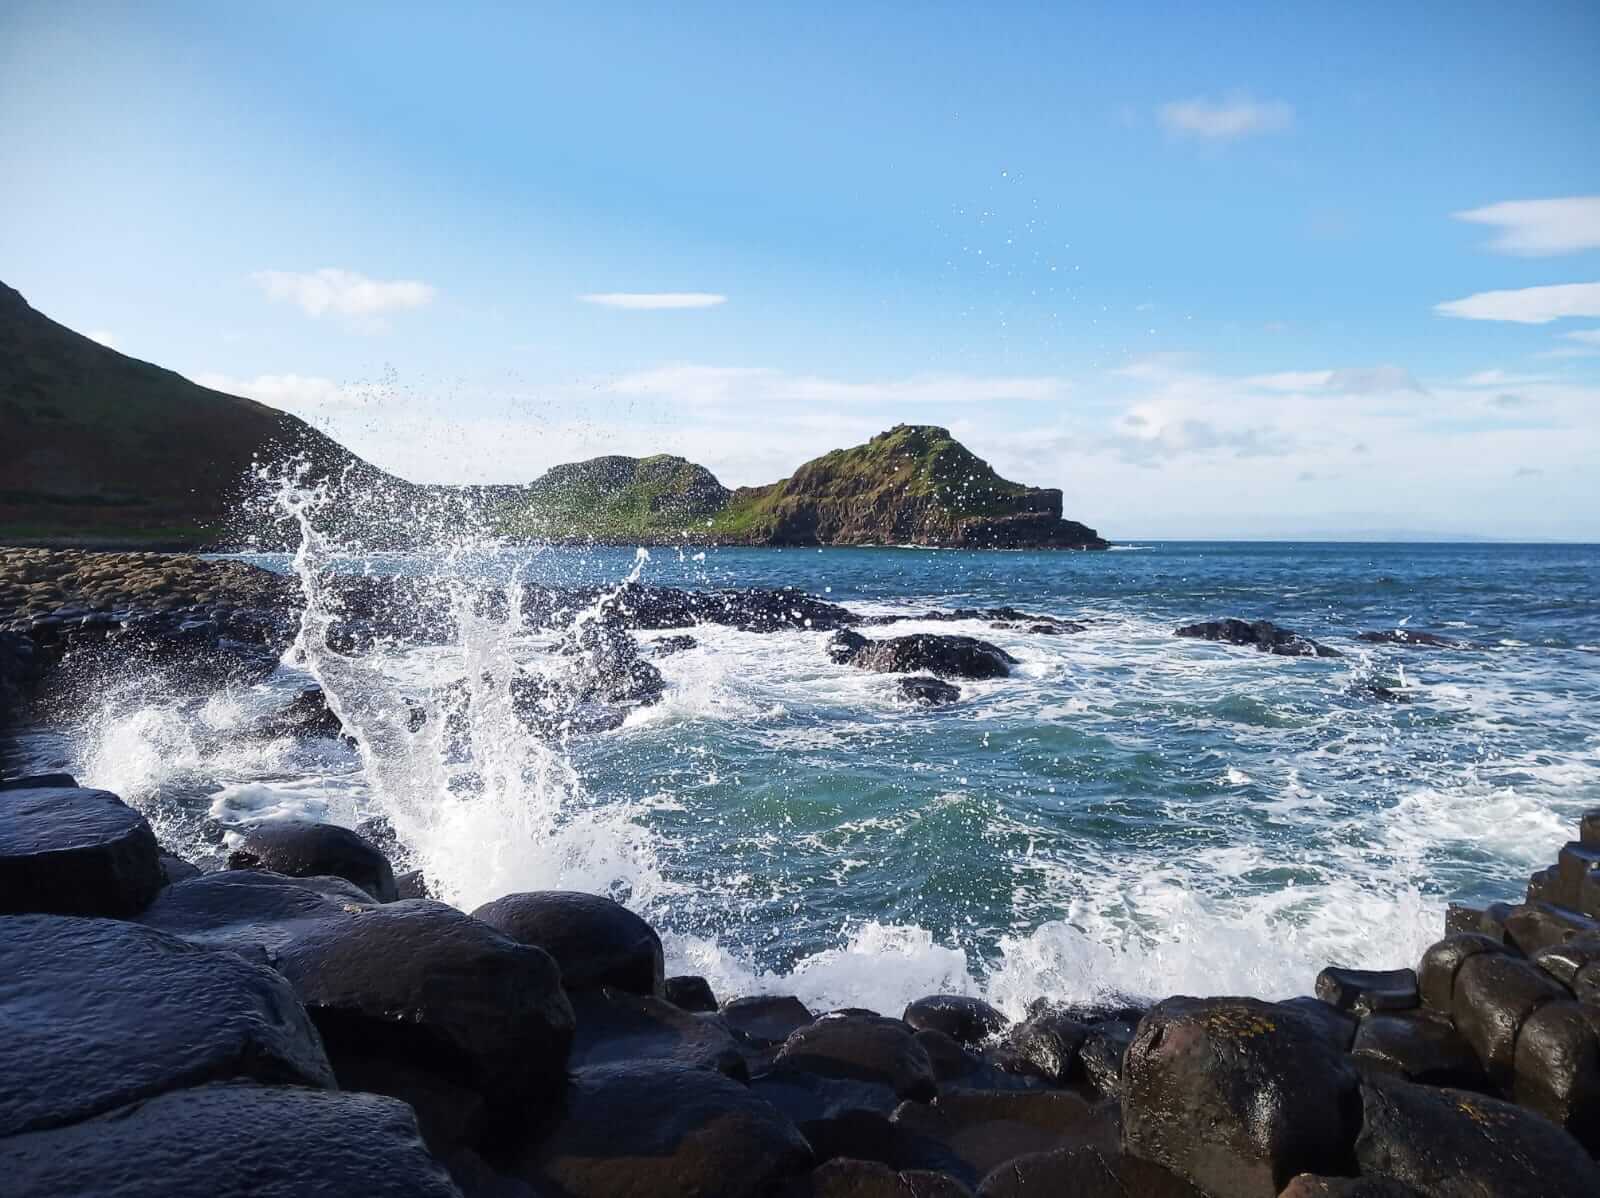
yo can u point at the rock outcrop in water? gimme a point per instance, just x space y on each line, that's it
1258 634
401 1047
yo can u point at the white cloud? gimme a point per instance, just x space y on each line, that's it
706 386
640 301
1527 305
1538 228
1348 380
343 293
1224 120
1582 336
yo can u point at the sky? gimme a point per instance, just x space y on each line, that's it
1290 270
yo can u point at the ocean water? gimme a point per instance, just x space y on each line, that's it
1128 813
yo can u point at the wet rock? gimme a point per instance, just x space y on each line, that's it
949 656
302 849
867 1135
658 1130
965 1020
99 1013
1419 1047
1046 1045
450 1116
232 1141
688 992
615 1026
807 1097
766 1019
1534 926
1436 976
961 1067
1365 990
1589 828
666 646
928 691
1084 1172
1557 1070
597 942
753 609
1544 885
866 1048
605 667
1308 1185
1379 692
1494 994
847 1178
70 851
1339 1026
1237 1095
40 782
1262 635
984 1129
412 884
1103 1054
1453 1144
1578 871
255 913
307 717
1414 638
177 869
1566 960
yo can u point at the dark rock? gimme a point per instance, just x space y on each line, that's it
1544 885
766 1019
866 1135
865 1048
1413 638
985 1128
606 667
1494 993
1237 1095
1453 1144
1045 1044
1566 960
666 646
615 1026
1376 690
639 606
1557 1071
1262 635
1578 871
1085 1171
99 1013
40 782
1102 1055
847 1178
689 992
412 884
950 656
1308 1185
253 912
301 849
232 1141
965 1020
450 1116
930 692
1436 976
1534 926
308 717
807 1098
176 869
963 1068
596 941
1589 828
1419 1047
1339 1026
658 1130
1366 990
68 851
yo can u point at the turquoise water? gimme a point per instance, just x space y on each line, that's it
1128 812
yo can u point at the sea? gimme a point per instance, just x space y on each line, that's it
1129 814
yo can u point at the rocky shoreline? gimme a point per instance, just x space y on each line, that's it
300 1017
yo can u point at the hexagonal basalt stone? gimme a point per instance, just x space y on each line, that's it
68 851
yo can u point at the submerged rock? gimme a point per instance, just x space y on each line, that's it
930 692
1414 638
301 849
1262 635
955 656
70 851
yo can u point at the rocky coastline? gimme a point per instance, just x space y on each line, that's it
300 1017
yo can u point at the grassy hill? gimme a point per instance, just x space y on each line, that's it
914 484
98 448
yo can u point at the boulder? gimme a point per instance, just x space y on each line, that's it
1453 1144
866 1048
766 1019
928 691
689 992
232 1141
984 1129
1084 1171
99 1013
1557 1068
1339 1026
1045 1045
847 1178
69 851
1494 993
1436 976
863 1135
1589 828
1103 1054
1366 990
1578 871
1564 961
301 849
666 646
1309 1185
596 941
615 1026
1261 635
1237 1095
965 1020
40 782
1421 1047
1533 926
176 869
659 1130
949 656
1413 638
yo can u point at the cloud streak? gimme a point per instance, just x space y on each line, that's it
1540 228
654 301
1224 120
1527 305
336 292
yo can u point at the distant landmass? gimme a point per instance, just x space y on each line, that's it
97 448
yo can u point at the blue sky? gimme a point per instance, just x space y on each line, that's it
1208 274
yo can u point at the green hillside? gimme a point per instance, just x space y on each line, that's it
614 498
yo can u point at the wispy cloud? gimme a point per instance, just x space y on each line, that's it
1582 336
1224 120
1539 228
654 300
709 386
332 291
1348 380
1527 305
306 396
